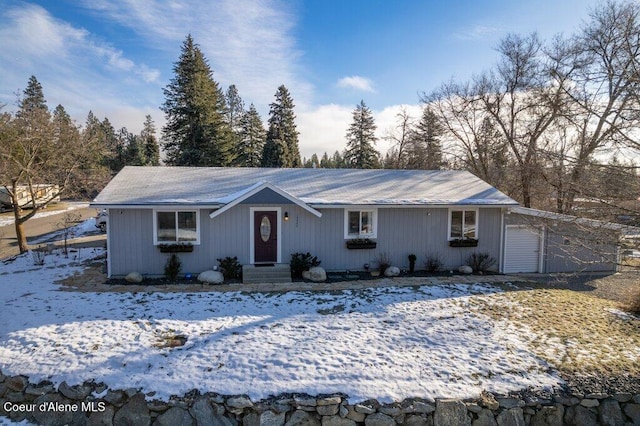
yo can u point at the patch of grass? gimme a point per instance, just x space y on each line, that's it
573 331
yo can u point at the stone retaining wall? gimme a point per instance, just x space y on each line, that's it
95 404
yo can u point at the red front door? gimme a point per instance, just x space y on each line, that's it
265 236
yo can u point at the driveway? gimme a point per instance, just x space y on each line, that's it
38 228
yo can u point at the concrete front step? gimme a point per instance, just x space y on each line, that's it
277 273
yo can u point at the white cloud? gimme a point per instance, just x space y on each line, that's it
247 43
356 82
323 129
76 69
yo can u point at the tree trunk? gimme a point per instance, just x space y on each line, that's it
19 222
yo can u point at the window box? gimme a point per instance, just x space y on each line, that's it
358 243
466 242
175 248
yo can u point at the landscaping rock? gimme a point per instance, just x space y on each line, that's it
414 420
305 401
633 411
509 403
379 419
465 269
611 413
202 412
239 402
582 416
511 417
303 418
328 410
102 418
332 400
485 418
364 409
354 415
39 390
392 271
423 407
549 416
268 418
489 401
174 416
52 417
317 274
622 397
390 410
451 412
77 393
116 398
337 421
211 277
134 412
16 383
589 403
134 277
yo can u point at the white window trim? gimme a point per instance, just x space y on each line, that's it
374 222
155 226
462 209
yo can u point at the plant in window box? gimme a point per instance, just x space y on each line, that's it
176 248
464 242
361 243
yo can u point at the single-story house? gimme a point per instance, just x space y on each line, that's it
347 218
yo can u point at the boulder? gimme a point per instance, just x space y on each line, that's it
379 419
611 413
451 412
211 277
465 269
133 277
317 274
134 412
392 271
511 417
302 418
174 416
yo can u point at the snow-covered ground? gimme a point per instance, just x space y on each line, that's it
9 220
379 343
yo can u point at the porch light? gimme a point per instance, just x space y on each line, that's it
286 216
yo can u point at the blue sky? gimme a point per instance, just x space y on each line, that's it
115 56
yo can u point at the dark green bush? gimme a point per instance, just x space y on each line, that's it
173 267
480 262
230 267
302 262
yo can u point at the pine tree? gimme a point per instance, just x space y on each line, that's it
233 115
248 152
196 133
32 99
150 147
424 150
360 152
281 147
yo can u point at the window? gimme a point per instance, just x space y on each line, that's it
176 227
360 224
463 224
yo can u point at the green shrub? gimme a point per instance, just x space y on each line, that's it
480 262
302 262
173 267
433 263
230 267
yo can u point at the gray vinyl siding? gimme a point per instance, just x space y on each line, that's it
401 231
570 248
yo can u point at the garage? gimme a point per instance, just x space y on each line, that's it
522 249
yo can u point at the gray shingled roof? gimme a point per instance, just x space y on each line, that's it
217 186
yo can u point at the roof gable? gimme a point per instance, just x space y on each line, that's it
258 188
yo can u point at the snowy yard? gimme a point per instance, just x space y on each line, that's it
386 343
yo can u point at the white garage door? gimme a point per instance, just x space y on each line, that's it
521 249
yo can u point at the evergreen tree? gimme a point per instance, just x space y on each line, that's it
150 147
360 152
233 115
196 133
93 173
424 150
325 161
32 99
337 160
248 152
281 147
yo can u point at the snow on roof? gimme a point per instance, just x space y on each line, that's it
139 186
